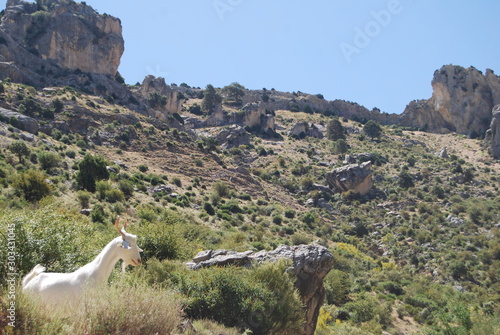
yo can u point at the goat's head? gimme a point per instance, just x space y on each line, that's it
129 250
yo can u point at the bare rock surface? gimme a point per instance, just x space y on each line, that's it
461 102
355 177
493 134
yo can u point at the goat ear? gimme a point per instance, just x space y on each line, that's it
140 250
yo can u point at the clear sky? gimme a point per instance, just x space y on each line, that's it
378 53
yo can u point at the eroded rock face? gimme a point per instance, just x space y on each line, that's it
233 137
303 129
310 264
151 85
461 102
493 135
67 34
24 122
355 177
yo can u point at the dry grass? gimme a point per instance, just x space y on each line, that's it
137 309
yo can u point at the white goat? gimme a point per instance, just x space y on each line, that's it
55 288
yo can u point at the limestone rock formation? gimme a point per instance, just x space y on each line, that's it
310 265
355 177
21 121
493 134
461 102
152 85
305 129
67 34
258 116
232 137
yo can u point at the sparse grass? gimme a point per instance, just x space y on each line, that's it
117 309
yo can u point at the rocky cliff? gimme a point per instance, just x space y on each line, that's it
461 102
492 138
60 35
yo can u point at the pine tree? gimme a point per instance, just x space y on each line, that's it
210 100
335 131
373 129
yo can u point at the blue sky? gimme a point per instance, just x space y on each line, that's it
378 53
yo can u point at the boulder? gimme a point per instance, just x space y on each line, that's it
232 137
355 177
23 122
310 264
444 153
305 129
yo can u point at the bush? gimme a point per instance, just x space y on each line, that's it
48 160
340 147
263 300
143 168
84 198
221 189
127 188
90 170
361 310
32 185
337 285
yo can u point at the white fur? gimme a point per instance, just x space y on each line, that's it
55 288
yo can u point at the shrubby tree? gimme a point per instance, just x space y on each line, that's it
210 99
20 149
335 130
90 170
405 180
32 185
234 92
373 129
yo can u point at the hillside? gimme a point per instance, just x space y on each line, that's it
415 240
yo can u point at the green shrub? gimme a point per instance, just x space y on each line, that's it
209 208
90 170
337 285
126 187
32 185
361 310
263 300
221 189
83 198
159 241
48 160
114 195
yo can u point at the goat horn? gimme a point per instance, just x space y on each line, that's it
117 228
125 224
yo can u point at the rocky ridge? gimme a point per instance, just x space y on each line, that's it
461 102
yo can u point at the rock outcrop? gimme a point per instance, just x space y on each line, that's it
461 102
167 100
305 129
492 138
355 177
67 34
20 121
233 137
310 265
